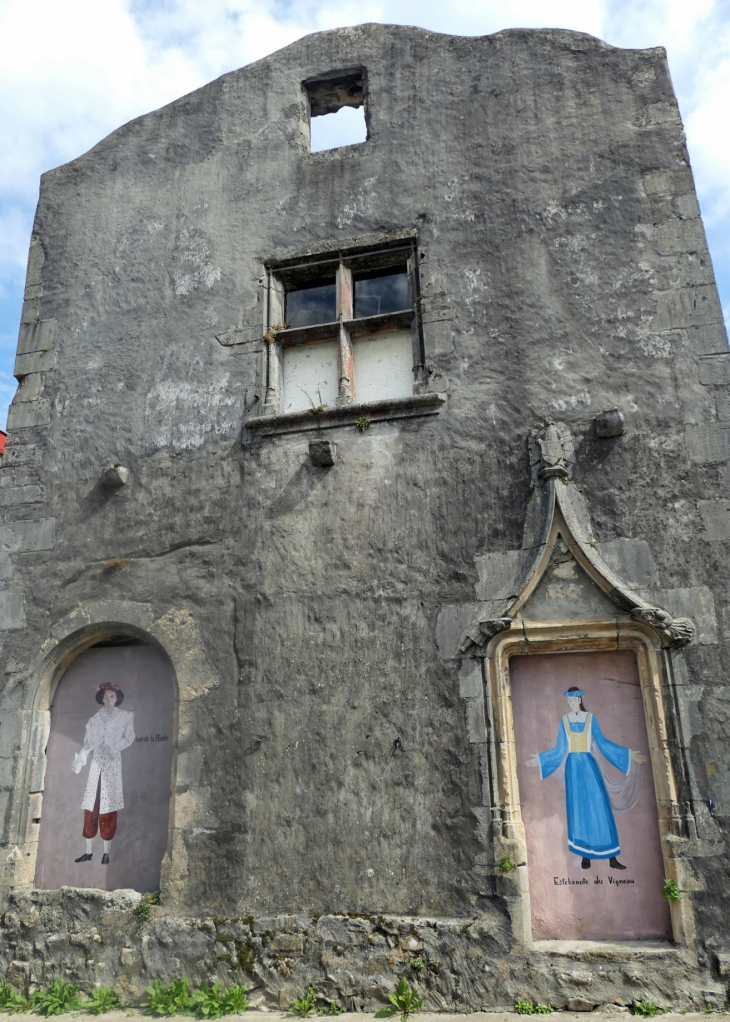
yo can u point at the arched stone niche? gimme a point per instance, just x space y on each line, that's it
107 785
173 637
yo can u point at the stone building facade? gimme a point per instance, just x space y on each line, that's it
523 450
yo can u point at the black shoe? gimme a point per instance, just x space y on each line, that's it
585 863
614 863
83 858
105 859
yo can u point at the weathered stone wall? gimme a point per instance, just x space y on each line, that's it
324 762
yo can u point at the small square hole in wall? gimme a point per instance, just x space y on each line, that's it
337 110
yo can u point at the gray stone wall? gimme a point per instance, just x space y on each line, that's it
324 762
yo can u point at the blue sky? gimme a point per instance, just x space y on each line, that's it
71 72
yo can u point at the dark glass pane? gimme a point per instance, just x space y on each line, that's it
376 295
310 305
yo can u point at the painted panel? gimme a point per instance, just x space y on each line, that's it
108 774
383 365
594 857
310 376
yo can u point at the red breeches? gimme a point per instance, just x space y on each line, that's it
105 823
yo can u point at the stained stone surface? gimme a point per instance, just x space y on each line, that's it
329 795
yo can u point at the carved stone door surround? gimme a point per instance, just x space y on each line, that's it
558 512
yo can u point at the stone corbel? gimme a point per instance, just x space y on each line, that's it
675 631
482 634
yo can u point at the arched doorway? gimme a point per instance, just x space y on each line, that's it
108 773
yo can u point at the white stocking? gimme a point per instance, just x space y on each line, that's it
107 845
89 845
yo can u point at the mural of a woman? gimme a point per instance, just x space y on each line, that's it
590 795
108 733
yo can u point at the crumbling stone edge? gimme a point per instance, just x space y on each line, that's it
94 937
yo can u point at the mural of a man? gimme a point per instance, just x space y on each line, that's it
107 733
590 795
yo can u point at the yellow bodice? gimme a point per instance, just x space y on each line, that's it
578 741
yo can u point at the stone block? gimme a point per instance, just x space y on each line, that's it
631 559
715 369
12 496
12 609
499 574
722 404
36 258
687 205
322 453
680 236
20 454
288 943
710 338
24 415
6 566
696 603
35 362
716 519
470 679
455 619
22 536
610 422
708 443
115 476
37 336
8 734
29 389
687 307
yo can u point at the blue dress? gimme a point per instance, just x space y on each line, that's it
592 829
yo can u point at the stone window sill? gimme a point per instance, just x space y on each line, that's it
346 415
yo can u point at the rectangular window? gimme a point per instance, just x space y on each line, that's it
313 303
342 330
337 109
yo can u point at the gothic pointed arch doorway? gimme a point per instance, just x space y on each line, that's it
109 765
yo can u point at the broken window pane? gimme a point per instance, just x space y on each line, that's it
378 294
345 127
310 305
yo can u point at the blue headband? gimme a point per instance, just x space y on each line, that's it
580 692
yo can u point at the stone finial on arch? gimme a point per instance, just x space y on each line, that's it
557 513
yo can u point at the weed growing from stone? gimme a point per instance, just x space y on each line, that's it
304 1006
506 864
102 1000
403 1001
647 1008
528 1008
332 1008
670 891
6 995
21 1002
58 999
214 1001
116 564
171 1000
363 423
143 910
418 964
